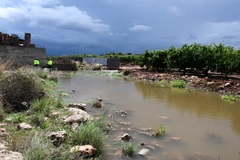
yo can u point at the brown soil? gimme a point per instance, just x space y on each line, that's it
214 82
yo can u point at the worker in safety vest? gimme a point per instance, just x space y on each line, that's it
50 63
36 62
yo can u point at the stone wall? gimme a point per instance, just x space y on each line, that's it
23 55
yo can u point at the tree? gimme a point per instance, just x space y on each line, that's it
225 59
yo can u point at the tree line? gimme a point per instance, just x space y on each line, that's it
212 57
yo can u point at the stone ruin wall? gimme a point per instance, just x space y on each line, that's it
22 55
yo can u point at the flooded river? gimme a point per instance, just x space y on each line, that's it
199 124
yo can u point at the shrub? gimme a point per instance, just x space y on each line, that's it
178 83
18 87
129 148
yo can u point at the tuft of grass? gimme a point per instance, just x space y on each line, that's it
178 83
42 106
35 147
17 117
129 148
90 133
40 121
41 74
160 131
101 122
59 103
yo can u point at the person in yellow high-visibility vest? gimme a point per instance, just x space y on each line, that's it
50 63
36 62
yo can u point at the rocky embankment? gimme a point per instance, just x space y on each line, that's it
215 83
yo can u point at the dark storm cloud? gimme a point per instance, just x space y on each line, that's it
64 26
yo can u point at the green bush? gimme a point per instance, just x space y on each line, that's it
178 83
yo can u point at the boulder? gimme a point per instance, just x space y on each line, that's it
126 137
54 114
144 152
24 126
77 116
2 146
3 133
228 84
98 103
78 105
58 138
86 150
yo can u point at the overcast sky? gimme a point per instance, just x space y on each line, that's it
128 26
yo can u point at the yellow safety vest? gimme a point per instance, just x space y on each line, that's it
49 62
36 62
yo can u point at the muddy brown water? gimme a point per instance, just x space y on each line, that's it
199 124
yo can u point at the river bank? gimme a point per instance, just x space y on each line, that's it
214 83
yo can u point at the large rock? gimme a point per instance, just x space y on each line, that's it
86 150
3 133
58 138
126 137
76 116
10 155
2 146
144 152
24 126
78 105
